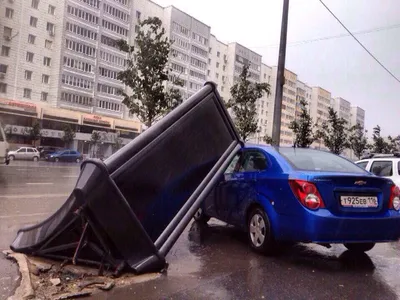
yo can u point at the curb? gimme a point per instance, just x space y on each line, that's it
25 289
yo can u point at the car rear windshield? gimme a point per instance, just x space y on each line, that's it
315 160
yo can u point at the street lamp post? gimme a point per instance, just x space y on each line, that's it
280 78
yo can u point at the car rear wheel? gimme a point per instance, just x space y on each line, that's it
259 232
360 247
56 159
35 158
11 157
78 160
200 216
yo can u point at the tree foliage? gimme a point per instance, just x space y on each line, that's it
69 134
358 140
118 143
34 132
147 72
334 133
303 127
268 140
244 95
393 144
379 144
94 141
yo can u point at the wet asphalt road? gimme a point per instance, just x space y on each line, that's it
208 262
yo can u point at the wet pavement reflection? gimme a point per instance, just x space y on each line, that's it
214 262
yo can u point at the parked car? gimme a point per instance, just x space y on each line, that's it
385 165
3 147
65 156
24 153
45 150
304 195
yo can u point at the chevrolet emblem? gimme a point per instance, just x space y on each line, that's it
360 182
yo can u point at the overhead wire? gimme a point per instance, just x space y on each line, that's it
361 44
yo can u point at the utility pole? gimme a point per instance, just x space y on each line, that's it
280 78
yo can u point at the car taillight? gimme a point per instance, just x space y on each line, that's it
307 193
394 202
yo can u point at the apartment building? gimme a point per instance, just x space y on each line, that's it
59 64
357 116
343 108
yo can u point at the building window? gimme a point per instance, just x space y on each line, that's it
222 88
31 39
7 31
217 64
218 53
46 61
27 93
29 56
51 10
216 75
33 21
78 99
44 96
116 28
138 14
137 28
50 28
5 51
3 68
83 15
223 68
45 78
111 10
3 88
9 13
35 4
28 75
208 72
48 44
86 33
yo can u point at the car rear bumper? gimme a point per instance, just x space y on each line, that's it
323 227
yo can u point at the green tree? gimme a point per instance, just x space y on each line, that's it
118 144
303 127
334 133
34 132
379 143
393 144
69 134
147 72
244 95
95 141
268 140
358 140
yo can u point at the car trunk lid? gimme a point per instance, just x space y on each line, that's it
353 194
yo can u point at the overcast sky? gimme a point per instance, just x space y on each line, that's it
339 65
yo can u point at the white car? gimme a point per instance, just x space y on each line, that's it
3 147
24 153
384 165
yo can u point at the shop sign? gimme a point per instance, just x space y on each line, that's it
18 105
22 130
96 119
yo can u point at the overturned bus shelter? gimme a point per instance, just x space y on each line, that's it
127 212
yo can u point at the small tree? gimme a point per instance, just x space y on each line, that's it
379 144
146 73
69 135
244 95
268 140
393 144
302 128
34 132
358 140
94 141
334 133
118 144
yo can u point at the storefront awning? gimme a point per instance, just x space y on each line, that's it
18 108
61 115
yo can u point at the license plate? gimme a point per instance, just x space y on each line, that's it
359 201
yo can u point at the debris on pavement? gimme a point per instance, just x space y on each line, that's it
55 281
73 295
45 279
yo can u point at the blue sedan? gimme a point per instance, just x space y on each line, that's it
304 195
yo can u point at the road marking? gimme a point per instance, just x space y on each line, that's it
33 196
39 183
24 215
